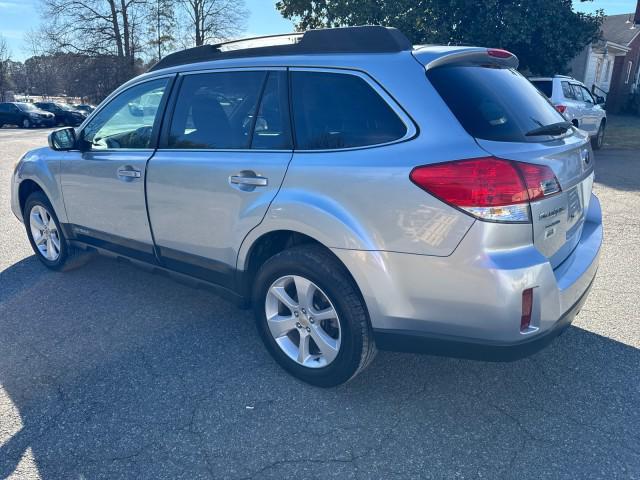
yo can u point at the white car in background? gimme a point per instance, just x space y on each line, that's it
573 100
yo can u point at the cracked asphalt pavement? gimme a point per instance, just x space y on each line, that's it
112 372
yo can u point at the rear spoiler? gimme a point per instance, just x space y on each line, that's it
490 57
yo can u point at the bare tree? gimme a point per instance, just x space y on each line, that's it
214 20
5 60
93 27
161 21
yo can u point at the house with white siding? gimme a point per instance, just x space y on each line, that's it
610 67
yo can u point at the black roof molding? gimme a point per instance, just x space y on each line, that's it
364 39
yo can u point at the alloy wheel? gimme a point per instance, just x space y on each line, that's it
303 321
45 233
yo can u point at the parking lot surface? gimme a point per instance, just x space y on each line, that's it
112 372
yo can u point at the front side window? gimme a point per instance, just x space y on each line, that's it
335 110
217 110
586 94
128 120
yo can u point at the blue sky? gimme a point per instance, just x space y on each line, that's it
19 16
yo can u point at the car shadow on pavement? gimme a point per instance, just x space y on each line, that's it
619 169
112 372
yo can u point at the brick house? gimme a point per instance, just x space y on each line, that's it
610 67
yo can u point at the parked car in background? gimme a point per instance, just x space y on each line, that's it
25 115
355 201
578 105
64 114
86 109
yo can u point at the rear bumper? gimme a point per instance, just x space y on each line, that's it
421 342
469 304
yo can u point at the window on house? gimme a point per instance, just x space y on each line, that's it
598 69
607 71
629 67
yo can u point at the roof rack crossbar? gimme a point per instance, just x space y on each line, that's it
364 39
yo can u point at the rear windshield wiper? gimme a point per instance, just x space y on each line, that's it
552 129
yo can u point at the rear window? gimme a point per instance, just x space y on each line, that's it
545 86
494 104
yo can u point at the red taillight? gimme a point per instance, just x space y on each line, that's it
489 188
481 182
541 181
527 308
561 108
499 53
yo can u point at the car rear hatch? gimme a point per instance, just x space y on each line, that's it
511 120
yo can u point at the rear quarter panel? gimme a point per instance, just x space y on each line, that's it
363 199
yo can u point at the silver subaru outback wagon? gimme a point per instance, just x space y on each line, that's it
358 192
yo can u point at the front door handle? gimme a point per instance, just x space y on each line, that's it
129 173
251 181
248 180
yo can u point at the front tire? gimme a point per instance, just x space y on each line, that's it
311 316
598 140
46 236
26 123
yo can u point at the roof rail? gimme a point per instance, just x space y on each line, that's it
364 39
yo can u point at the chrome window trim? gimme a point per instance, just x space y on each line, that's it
408 122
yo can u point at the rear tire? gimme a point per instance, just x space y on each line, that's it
598 140
345 344
47 238
26 123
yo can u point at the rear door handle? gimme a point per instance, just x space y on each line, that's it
250 181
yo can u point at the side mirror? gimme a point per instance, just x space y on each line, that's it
600 100
62 139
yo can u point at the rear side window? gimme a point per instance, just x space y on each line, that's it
272 126
567 91
545 86
577 92
216 110
493 104
335 110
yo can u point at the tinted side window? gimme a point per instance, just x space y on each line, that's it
545 86
272 126
4 107
568 91
333 110
128 120
216 110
